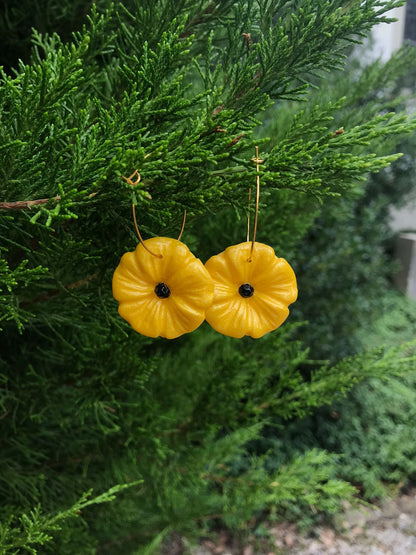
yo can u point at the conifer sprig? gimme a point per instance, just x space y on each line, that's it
31 530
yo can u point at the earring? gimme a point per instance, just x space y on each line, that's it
162 288
253 287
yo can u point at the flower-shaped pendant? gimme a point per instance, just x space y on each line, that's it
253 288
164 295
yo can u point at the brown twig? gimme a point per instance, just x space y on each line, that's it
235 141
218 110
256 79
216 129
24 204
247 36
27 204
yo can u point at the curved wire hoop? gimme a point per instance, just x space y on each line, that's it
137 180
257 161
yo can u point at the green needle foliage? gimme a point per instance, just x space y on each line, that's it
180 91
34 529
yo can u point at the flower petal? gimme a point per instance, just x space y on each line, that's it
228 317
279 282
271 313
187 318
193 285
147 315
128 283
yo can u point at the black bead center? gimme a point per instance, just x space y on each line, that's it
246 290
162 290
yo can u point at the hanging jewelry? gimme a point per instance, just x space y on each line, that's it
253 287
162 288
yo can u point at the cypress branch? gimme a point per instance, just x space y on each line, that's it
182 91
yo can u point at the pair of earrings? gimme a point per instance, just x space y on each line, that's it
164 290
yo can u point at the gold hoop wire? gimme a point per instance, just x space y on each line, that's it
130 181
257 161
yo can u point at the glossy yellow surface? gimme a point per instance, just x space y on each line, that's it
273 281
190 285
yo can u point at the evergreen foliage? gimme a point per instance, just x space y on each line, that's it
374 431
178 90
344 265
33 529
373 428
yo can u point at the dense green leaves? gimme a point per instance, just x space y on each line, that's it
29 531
180 91
64 142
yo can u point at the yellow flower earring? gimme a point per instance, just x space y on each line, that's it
162 288
253 287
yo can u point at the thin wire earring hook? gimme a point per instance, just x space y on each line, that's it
140 237
183 225
133 184
248 214
257 161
